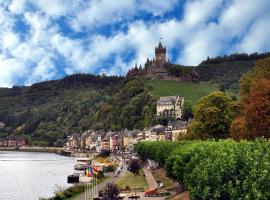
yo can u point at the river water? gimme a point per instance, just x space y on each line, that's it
29 176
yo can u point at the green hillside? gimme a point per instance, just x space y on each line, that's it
226 74
190 91
47 112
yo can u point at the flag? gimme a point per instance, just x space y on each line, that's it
89 174
96 168
91 171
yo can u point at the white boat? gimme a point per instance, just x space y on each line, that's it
81 164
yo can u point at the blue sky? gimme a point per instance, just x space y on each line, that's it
47 39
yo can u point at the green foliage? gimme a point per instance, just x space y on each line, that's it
134 166
104 153
225 74
188 110
212 117
150 150
218 170
190 91
111 192
110 168
50 111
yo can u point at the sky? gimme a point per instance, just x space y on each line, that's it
47 39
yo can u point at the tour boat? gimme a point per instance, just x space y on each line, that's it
81 164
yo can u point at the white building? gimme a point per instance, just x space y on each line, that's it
170 106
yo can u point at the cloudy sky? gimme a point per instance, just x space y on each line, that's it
47 39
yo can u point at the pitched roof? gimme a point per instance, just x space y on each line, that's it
169 99
160 46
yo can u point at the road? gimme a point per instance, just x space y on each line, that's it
103 184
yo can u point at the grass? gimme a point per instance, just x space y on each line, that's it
159 175
128 179
189 90
72 192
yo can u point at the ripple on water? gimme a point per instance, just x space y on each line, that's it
28 176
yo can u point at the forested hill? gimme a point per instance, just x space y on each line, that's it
47 112
227 70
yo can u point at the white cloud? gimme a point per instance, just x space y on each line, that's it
257 39
100 12
157 7
207 28
17 7
9 69
201 11
44 70
9 40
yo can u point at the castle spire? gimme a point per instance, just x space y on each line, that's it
160 46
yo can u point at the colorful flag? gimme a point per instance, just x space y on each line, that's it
91 171
96 168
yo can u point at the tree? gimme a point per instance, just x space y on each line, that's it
255 121
134 166
188 113
105 153
257 109
212 117
237 129
254 118
259 72
111 192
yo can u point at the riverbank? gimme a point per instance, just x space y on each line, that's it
57 150
73 191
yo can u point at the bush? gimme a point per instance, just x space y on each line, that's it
222 169
104 153
110 168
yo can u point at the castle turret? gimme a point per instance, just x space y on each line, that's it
160 53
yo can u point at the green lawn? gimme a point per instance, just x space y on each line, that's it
188 90
134 183
159 175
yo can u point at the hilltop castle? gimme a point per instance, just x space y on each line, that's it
161 68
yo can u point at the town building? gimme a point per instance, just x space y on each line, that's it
105 144
170 106
13 141
179 129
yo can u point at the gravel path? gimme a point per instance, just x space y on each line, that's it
150 179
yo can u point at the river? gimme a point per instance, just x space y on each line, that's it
28 176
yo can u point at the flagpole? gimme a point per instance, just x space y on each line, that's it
84 192
95 185
87 195
89 190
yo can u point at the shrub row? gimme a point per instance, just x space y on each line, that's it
215 170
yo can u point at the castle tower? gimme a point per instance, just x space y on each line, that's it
160 53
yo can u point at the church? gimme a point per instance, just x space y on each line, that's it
160 68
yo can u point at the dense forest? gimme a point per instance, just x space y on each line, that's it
226 74
225 71
47 112
235 57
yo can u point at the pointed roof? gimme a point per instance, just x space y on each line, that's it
160 46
